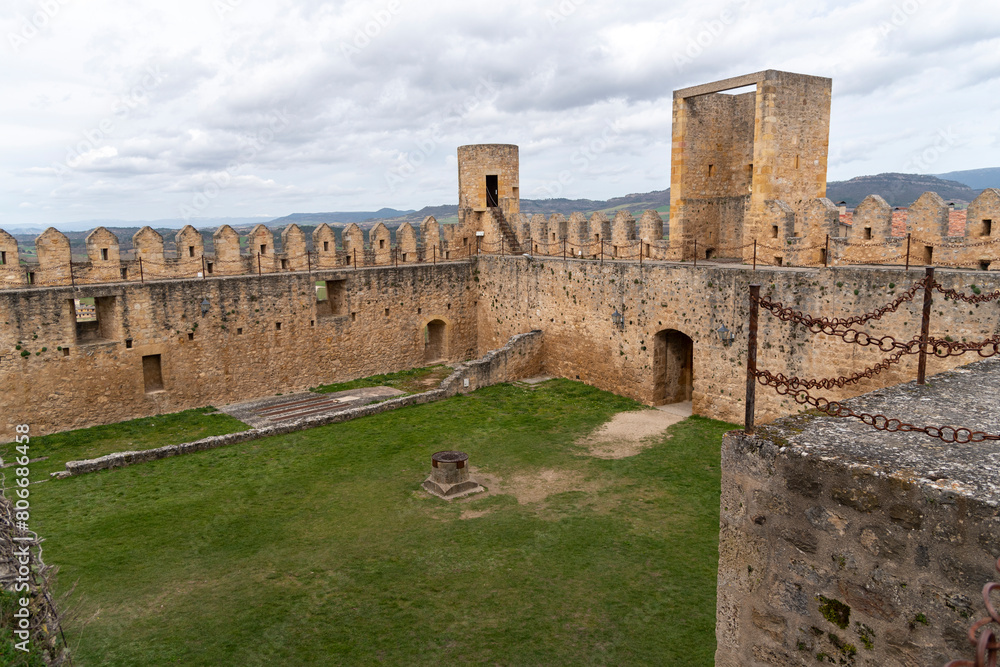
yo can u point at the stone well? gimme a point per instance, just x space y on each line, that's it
450 475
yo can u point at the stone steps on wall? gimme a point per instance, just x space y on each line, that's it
510 239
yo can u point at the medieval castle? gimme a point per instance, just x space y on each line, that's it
656 314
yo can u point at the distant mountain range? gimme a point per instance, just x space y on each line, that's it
977 179
898 189
961 187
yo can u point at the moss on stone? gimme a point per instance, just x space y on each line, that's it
835 611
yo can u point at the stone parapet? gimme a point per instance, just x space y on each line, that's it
840 543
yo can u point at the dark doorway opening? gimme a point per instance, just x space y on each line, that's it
673 367
492 192
152 373
434 341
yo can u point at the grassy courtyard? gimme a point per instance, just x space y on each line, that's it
320 548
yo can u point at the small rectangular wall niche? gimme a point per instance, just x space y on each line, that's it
152 373
3 257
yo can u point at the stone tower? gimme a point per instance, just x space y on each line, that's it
488 192
733 155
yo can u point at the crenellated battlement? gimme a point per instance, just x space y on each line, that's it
929 232
232 254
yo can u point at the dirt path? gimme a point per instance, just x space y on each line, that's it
628 433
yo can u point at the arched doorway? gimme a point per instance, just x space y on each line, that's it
673 367
435 344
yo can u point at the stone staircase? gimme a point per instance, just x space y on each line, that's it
510 238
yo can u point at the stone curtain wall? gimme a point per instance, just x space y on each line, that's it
520 358
236 351
260 336
573 302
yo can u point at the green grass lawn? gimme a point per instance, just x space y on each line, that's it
320 548
413 381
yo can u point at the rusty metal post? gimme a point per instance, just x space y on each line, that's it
501 245
204 268
258 265
755 255
309 261
826 257
355 259
602 252
925 326
395 257
640 254
907 252
696 253
564 250
72 279
752 360
477 245
142 278
434 253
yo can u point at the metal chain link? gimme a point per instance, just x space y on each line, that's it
785 314
960 296
948 434
987 644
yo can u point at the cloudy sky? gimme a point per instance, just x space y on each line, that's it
141 110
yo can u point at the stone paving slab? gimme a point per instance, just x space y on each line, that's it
273 410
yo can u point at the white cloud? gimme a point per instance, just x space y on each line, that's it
116 109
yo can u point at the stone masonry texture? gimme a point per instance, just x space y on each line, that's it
843 544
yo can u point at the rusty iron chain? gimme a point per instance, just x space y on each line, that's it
786 314
987 644
840 327
795 382
948 434
952 244
960 296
